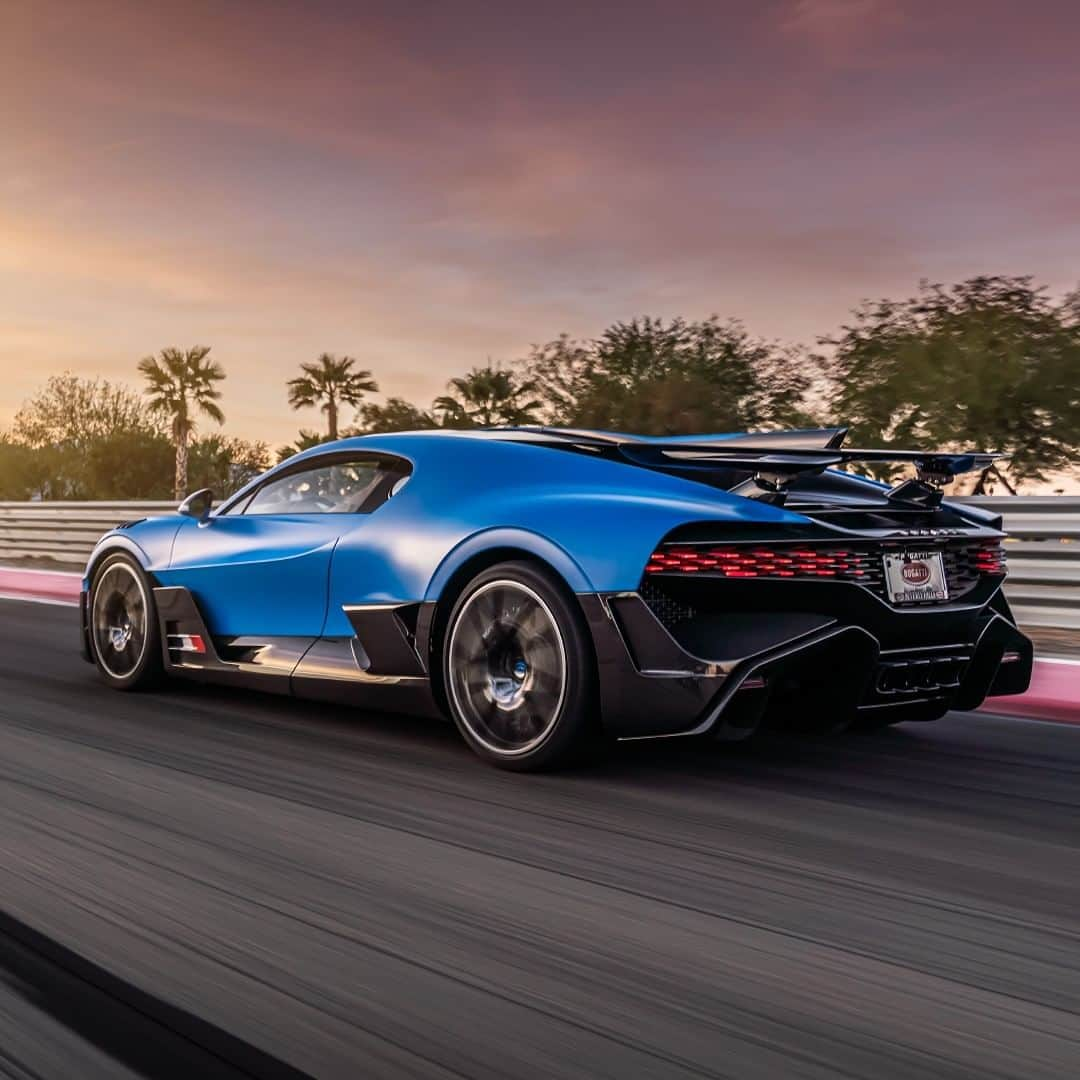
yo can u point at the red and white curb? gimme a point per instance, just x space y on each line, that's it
1054 693
40 586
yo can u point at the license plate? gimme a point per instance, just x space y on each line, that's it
914 576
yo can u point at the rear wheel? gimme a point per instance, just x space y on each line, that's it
517 669
124 635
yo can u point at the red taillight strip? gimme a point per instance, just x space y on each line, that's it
990 557
750 562
986 557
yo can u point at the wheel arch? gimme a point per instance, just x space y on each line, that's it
522 543
111 545
453 585
148 668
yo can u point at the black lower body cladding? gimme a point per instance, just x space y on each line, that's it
695 659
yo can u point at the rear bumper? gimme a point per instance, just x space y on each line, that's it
725 674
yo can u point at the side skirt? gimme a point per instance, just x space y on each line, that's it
190 651
332 670
340 670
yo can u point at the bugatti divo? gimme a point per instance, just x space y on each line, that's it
551 590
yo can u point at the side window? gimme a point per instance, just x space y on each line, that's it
339 487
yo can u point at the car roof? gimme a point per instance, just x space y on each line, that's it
806 438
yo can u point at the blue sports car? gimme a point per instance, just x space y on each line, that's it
553 589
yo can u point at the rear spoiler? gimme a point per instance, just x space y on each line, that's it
830 438
929 464
774 460
772 471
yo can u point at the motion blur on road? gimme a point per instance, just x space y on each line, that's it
235 233
217 883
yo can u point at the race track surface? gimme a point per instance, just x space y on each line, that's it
213 883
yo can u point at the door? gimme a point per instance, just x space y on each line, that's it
261 568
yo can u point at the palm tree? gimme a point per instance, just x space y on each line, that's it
180 385
395 414
305 441
487 396
329 383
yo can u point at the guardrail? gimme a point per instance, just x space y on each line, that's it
1043 549
65 531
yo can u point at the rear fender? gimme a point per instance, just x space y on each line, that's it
519 539
599 541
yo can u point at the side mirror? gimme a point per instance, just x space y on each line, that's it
197 505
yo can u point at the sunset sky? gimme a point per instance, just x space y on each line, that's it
426 185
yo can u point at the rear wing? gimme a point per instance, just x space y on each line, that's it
773 460
771 473
931 465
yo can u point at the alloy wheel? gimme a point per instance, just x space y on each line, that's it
507 667
120 619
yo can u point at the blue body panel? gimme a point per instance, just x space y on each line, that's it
264 574
594 520
149 541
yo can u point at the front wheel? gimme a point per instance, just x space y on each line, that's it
517 669
124 637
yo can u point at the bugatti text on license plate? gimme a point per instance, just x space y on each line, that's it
914 576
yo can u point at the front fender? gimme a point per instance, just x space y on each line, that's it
149 542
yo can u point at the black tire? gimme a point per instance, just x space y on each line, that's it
518 671
125 640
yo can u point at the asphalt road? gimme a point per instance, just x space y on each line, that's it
214 883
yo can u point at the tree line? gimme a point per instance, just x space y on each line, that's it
991 362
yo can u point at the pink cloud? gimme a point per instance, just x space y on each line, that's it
842 23
425 190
